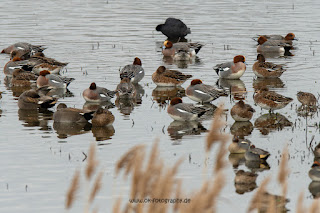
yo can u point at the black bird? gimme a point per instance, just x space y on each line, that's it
174 29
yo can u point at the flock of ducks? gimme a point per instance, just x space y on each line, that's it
28 66
241 112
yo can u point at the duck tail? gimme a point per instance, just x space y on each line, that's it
88 115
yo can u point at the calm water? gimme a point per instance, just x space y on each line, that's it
97 38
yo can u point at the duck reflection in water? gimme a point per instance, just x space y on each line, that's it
169 60
245 181
314 188
103 133
241 128
164 94
91 106
265 199
126 96
65 130
34 118
139 93
60 92
16 90
178 129
259 83
236 87
269 122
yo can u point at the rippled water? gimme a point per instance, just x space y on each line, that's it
38 159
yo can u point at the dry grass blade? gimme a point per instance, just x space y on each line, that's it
300 208
283 169
96 187
92 162
117 206
128 159
272 205
214 134
71 194
221 158
257 199
315 207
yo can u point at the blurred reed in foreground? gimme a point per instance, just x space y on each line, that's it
151 178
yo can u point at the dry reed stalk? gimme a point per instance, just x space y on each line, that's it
153 171
272 205
205 199
178 195
221 158
315 206
92 162
300 208
71 194
127 159
117 206
257 199
284 171
214 134
96 187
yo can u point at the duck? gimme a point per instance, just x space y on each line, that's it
134 71
14 64
22 78
314 172
102 117
23 46
286 39
63 114
231 70
270 100
97 94
241 111
316 151
125 89
203 93
238 146
275 46
39 62
169 78
307 98
256 154
36 99
263 69
181 51
174 29
55 81
184 111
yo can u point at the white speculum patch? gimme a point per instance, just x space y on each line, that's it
183 111
199 91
